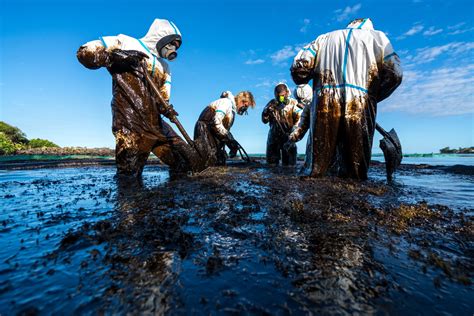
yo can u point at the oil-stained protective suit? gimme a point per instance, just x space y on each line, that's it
137 123
352 70
283 117
214 124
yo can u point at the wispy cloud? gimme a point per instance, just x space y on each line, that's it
459 29
432 31
254 61
428 54
306 23
347 12
282 55
439 92
417 28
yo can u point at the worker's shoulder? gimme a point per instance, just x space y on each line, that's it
331 34
221 104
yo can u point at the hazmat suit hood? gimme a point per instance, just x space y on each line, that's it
365 24
304 93
161 33
275 90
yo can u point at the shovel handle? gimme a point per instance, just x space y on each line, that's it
382 131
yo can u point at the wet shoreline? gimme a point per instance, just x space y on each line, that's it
246 238
24 164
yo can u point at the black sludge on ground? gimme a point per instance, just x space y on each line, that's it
245 238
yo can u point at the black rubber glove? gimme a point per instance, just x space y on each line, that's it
169 112
301 75
126 60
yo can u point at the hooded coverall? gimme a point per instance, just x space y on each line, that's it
137 124
352 69
214 124
282 118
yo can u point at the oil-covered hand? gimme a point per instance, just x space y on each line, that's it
126 59
300 73
169 112
268 113
232 144
234 147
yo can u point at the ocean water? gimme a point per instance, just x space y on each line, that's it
433 159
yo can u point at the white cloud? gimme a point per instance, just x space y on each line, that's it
343 15
306 23
254 61
457 29
282 55
456 32
439 92
432 31
454 49
456 26
417 28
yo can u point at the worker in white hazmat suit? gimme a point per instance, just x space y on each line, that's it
215 122
283 114
352 70
137 123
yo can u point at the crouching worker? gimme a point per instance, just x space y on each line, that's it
215 122
137 123
283 113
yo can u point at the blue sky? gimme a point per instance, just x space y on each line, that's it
232 45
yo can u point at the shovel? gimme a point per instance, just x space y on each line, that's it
392 150
167 106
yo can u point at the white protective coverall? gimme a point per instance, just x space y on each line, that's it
352 69
215 122
137 124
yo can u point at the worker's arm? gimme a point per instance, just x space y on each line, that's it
267 111
96 54
303 125
221 107
107 52
297 114
390 74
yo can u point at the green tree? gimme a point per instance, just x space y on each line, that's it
38 143
13 133
7 147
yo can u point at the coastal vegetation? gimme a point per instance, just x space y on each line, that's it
447 150
13 140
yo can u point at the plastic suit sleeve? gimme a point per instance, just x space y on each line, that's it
390 73
297 113
218 127
95 54
303 64
300 130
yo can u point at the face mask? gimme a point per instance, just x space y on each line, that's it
169 52
243 110
283 99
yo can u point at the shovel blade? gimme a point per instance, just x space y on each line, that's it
392 152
